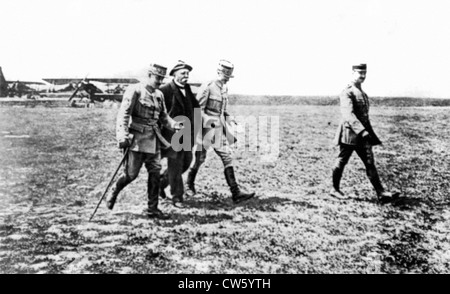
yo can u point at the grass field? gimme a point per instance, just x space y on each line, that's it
57 161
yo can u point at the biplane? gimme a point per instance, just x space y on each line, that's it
95 89
88 90
98 89
29 89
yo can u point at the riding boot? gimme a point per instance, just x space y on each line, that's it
153 194
374 178
382 195
121 183
163 183
336 192
236 193
190 182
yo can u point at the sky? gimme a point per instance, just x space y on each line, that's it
284 47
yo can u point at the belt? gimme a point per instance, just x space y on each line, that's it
141 125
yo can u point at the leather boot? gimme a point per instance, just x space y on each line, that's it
236 193
153 194
374 178
190 182
163 183
335 191
382 195
178 202
111 198
386 196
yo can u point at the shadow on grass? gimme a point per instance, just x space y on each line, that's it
176 218
180 218
401 202
409 202
219 203
367 199
134 215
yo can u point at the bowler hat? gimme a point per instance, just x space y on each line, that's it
180 65
226 68
361 66
157 69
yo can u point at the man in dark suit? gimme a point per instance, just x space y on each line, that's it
355 133
180 101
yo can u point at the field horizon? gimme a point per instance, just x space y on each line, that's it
59 99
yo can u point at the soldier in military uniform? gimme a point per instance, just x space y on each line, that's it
213 99
180 101
355 133
141 109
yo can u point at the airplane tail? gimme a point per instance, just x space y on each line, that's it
3 85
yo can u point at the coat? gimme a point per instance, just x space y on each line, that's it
354 106
213 100
139 115
178 105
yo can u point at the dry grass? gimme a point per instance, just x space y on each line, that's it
51 182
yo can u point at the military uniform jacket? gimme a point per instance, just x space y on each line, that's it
354 105
177 104
139 114
213 100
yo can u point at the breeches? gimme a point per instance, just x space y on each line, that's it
135 160
224 152
364 152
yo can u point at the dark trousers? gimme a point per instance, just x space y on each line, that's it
133 165
176 167
364 152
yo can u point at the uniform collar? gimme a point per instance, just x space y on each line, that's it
219 83
358 86
149 88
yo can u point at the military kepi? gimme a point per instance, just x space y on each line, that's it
157 69
180 65
226 68
361 66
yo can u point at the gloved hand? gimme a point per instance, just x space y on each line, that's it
213 122
178 126
125 144
365 136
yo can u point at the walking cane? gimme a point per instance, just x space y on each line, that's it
110 182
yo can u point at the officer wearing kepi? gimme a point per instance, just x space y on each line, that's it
213 99
355 133
180 103
141 109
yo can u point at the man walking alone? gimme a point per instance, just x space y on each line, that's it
355 133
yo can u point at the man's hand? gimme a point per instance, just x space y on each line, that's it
178 126
125 144
212 122
365 136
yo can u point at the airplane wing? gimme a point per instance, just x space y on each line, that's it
27 82
62 81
